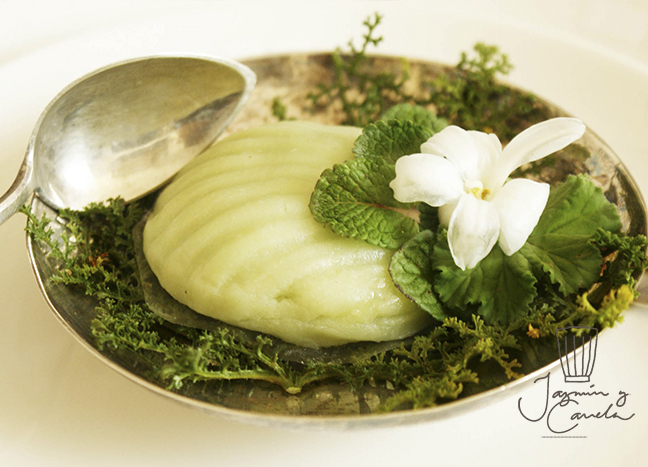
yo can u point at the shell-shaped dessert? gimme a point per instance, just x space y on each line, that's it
232 237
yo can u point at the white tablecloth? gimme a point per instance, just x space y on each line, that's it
60 406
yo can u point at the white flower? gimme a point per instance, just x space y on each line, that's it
464 173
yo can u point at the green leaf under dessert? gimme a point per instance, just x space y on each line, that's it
390 140
412 272
417 114
502 286
560 245
355 200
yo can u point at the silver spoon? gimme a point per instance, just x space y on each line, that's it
125 129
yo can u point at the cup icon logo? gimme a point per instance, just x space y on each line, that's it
577 351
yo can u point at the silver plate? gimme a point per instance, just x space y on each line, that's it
325 406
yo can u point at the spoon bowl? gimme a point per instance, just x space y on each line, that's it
125 129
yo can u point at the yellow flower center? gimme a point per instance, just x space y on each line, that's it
476 188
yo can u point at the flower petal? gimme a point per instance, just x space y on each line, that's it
426 177
466 151
474 228
445 212
489 146
520 203
532 144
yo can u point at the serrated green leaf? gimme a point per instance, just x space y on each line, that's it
560 245
417 114
355 200
390 140
428 217
501 286
412 272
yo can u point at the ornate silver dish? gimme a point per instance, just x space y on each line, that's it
324 406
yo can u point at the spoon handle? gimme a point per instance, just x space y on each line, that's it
19 191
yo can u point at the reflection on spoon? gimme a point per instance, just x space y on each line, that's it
125 129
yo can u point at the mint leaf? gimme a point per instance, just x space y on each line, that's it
501 286
412 272
418 115
390 140
561 244
355 200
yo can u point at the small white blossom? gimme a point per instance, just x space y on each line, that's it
464 173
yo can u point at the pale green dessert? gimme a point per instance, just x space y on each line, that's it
232 237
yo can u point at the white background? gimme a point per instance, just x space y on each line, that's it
60 406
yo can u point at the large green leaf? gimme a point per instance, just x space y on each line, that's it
412 272
560 245
500 286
